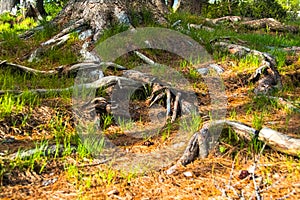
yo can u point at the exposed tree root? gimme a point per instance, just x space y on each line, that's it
101 83
271 79
270 23
224 19
290 105
200 142
30 70
292 49
64 32
45 150
64 70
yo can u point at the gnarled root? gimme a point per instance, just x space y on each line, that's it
201 142
271 78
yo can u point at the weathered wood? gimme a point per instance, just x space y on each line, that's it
290 105
280 142
293 49
101 14
101 83
45 150
29 70
199 146
62 70
224 19
271 77
271 24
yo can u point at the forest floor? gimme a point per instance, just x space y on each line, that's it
30 121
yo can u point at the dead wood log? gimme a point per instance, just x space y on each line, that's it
59 39
200 143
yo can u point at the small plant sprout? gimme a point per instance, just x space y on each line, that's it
191 124
125 124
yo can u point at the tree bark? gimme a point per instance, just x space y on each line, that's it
7 5
40 7
102 14
192 6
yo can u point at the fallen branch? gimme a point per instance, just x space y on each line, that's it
145 58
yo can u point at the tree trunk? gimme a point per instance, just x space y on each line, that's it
99 15
7 5
40 7
192 6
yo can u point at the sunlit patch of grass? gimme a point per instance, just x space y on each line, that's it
265 42
125 124
185 18
14 80
32 161
72 173
6 16
280 57
106 176
192 124
166 132
4 27
11 46
141 18
115 29
9 104
24 25
16 23
106 120
258 120
247 64
233 115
